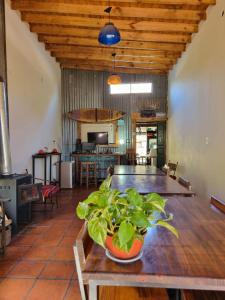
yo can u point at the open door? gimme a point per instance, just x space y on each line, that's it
161 144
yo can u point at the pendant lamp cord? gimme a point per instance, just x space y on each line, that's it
109 12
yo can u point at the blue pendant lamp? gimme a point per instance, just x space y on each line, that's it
109 34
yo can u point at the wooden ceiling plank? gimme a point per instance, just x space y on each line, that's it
124 44
117 11
111 64
135 3
109 51
165 2
65 20
119 67
119 70
132 36
109 58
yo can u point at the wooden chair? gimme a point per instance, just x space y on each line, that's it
4 224
110 171
82 248
185 183
170 167
131 156
207 295
88 172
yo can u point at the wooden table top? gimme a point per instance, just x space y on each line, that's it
163 185
194 261
137 170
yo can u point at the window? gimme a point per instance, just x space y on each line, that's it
131 88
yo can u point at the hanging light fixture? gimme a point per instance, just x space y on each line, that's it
109 34
114 78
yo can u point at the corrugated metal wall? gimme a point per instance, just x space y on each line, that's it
89 89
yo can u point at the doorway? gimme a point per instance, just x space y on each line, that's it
150 142
146 143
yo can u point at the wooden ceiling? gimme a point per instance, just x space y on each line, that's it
154 33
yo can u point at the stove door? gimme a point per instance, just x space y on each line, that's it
28 193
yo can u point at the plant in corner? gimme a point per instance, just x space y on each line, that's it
118 221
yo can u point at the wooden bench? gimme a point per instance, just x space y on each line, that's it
206 295
82 248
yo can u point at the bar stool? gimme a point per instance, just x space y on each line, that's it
88 172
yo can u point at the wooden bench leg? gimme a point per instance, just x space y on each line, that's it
79 274
93 290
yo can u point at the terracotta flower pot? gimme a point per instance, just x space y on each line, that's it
134 251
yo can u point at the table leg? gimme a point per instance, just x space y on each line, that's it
178 295
93 290
45 170
50 168
33 168
60 162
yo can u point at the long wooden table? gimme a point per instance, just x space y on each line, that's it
163 185
194 261
137 170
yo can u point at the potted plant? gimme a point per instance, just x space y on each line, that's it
119 221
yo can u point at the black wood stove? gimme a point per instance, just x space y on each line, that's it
21 192
17 188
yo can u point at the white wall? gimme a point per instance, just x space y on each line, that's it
33 90
197 107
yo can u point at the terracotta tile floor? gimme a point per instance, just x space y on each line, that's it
39 263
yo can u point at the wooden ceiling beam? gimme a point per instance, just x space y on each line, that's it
94 9
189 4
97 56
76 41
164 2
92 33
154 33
109 51
110 64
118 70
97 23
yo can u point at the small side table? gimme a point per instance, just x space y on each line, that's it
44 157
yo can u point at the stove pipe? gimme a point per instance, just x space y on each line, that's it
5 155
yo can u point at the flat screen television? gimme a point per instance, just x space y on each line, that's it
98 138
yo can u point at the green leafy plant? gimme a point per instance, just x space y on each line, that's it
124 216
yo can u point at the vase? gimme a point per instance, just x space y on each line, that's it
117 252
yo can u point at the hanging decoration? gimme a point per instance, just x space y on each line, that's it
109 34
114 78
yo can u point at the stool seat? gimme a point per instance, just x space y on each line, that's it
88 172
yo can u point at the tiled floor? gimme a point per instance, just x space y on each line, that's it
39 263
